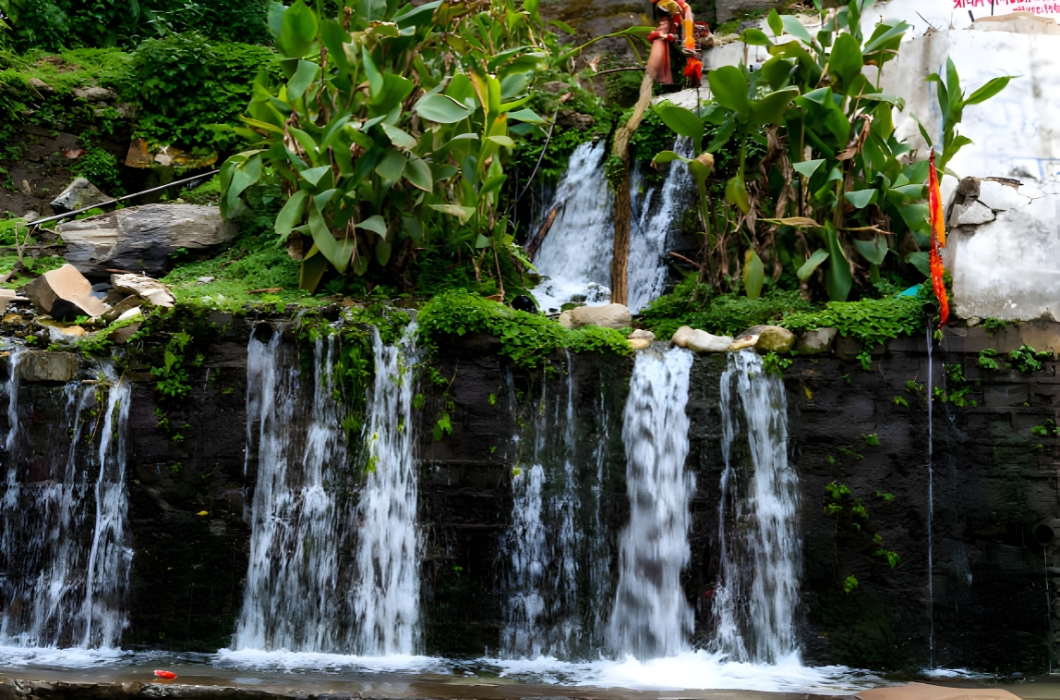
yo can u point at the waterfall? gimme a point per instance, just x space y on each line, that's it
651 616
575 256
292 573
931 499
386 599
549 608
652 222
325 575
64 583
756 596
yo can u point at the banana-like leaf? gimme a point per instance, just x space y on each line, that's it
299 29
442 109
292 213
375 224
812 263
754 274
837 279
736 193
874 250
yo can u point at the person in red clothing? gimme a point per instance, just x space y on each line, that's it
675 18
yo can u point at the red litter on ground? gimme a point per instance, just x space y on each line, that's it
168 675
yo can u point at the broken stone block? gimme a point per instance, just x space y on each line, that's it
42 366
1001 196
971 213
131 314
64 334
771 338
95 94
816 342
150 290
7 296
122 335
609 316
79 194
129 302
700 341
64 294
142 239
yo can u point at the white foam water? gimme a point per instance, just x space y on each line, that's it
64 544
292 574
575 256
386 597
755 600
305 592
651 616
654 215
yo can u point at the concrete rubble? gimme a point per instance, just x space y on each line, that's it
64 294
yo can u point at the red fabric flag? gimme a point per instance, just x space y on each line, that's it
938 240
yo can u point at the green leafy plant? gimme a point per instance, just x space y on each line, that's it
986 359
774 364
1026 359
872 440
527 339
835 179
993 325
101 169
850 584
900 401
872 321
393 124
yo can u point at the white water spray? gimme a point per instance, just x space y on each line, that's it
755 600
651 616
385 600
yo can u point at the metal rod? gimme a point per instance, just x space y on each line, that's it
67 215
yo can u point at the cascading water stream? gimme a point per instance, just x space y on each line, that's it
651 227
931 499
544 544
651 616
64 585
385 600
575 256
309 543
292 573
755 600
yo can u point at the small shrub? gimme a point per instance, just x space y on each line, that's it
101 169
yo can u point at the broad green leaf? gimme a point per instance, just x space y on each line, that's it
807 167
243 176
729 85
754 274
313 175
463 214
991 88
375 224
861 198
299 29
526 115
314 265
392 166
771 108
337 252
292 213
736 193
837 279
419 174
721 136
382 252
921 261
669 156
302 79
773 20
399 137
441 108
874 250
505 141
274 19
755 37
883 34
683 122
845 61
482 242
793 26
814 261
375 78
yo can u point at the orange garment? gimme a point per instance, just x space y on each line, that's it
677 17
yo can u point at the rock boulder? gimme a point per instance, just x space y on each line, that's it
700 341
64 294
816 342
142 239
79 194
609 316
150 290
41 366
771 338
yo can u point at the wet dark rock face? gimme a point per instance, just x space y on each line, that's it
190 485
